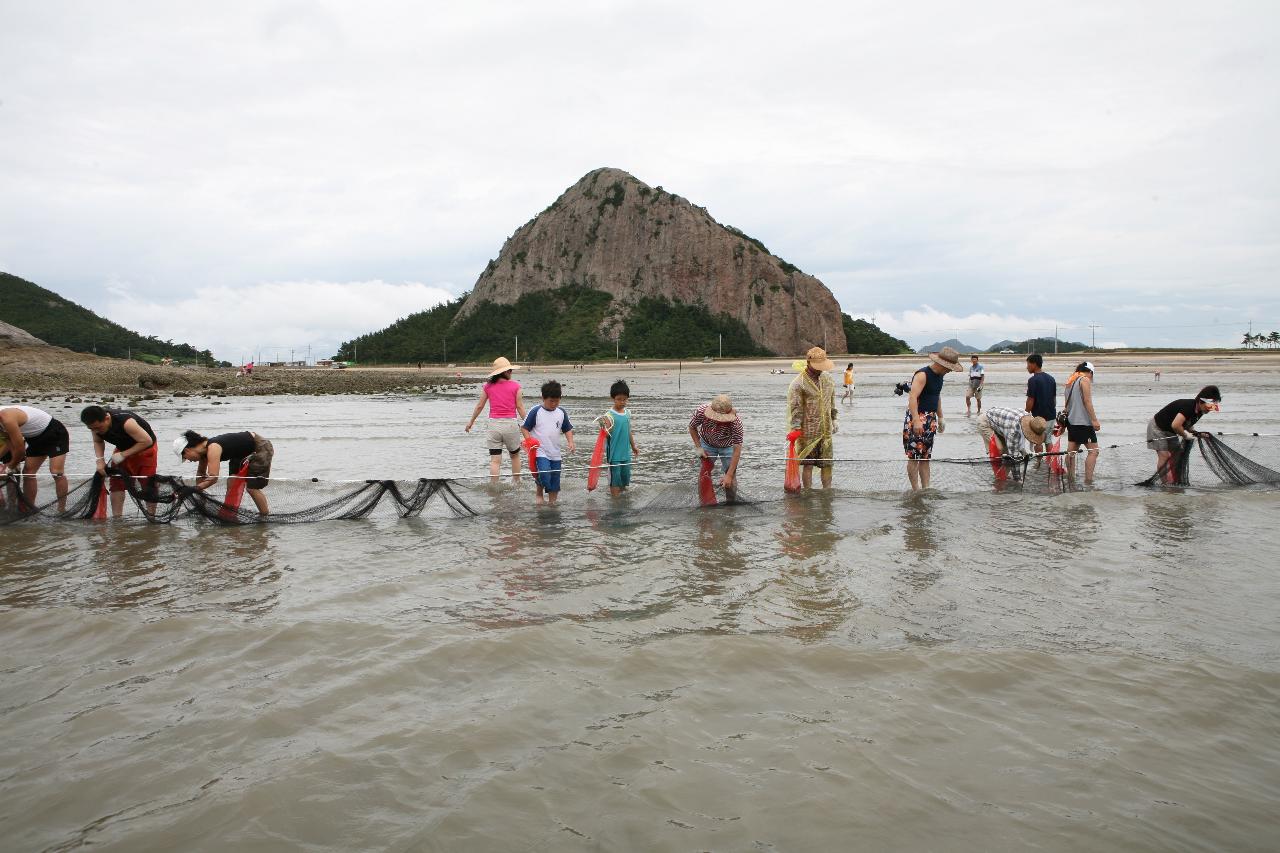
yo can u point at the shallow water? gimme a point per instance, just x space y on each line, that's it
958 670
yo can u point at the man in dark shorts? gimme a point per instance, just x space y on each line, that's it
135 451
246 450
31 436
1042 392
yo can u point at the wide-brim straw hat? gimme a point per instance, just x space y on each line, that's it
501 365
1035 429
816 358
721 409
948 358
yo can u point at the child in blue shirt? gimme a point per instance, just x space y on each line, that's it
546 423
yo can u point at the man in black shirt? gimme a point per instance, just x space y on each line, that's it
1042 393
1176 420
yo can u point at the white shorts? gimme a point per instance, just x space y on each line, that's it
504 433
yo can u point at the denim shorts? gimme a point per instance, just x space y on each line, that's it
724 454
549 474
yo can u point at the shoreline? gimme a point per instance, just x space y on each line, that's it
44 371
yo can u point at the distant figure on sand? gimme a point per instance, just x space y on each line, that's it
811 399
716 431
848 385
977 375
923 420
1176 420
237 449
135 450
1082 420
546 423
29 436
620 446
506 410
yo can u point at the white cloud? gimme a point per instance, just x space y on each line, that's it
1020 157
277 318
926 325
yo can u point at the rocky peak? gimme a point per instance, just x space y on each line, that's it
611 232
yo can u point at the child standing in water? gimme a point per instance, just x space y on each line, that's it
621 444
546 423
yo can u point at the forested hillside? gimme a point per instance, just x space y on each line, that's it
63 323
569 324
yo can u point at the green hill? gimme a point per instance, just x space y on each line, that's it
867 338
63 323
562 324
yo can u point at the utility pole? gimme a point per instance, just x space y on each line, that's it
1055 338
721 337
517 348
617 349
1093 328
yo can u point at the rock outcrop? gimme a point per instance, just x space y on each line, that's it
611 232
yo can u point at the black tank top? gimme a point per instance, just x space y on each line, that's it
931 396
115 434
235 445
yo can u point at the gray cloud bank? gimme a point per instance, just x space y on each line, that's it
973 168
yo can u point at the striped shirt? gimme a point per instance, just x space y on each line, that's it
716 433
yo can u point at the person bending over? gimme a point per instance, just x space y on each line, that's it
135 451
33 435
237 449
1176 420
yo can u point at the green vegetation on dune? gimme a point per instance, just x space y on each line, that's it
658 328
866 338
63 323
561 324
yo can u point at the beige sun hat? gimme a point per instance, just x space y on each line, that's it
721 409
948 358
816 358
501 365
1035 429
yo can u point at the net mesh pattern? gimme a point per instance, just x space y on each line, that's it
671 486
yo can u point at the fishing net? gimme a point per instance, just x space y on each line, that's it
674 484
1226 463
162 499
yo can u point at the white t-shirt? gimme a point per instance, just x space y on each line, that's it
546 427
975 374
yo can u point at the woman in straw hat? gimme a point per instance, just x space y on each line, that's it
506 412
923 420
811 402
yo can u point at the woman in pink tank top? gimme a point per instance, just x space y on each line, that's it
506 411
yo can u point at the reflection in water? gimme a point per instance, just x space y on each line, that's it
918 520
1167 523
814 589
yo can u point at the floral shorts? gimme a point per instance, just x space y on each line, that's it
919 446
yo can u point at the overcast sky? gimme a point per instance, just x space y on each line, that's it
290 174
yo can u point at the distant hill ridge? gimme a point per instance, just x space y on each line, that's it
62 323
959 347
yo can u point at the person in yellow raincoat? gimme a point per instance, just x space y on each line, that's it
811 405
